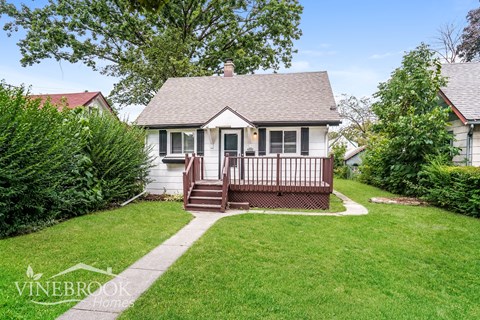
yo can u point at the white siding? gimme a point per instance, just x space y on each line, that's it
476 146
460 132
168 177
227 119
211 154
99 104
318 141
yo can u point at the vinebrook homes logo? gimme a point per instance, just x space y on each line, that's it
53 290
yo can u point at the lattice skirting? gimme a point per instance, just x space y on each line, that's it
285 200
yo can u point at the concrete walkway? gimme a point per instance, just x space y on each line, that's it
118 294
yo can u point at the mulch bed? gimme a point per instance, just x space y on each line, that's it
154 197
400 200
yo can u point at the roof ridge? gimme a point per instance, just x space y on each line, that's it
215 76
62 94
457 63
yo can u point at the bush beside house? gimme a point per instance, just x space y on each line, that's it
411 126
55 165
451 187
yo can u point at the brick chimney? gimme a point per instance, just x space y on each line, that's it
228 68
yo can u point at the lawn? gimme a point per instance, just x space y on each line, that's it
114 238
397 262
336 205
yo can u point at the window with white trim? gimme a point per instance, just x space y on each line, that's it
182 142
283 141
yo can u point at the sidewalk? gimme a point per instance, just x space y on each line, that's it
137 278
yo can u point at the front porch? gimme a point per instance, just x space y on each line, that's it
267 182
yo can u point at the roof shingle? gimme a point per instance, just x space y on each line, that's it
463 87
72 100
261 98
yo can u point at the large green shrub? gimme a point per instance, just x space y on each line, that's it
55 165
119 156
454 188
36 155
411 126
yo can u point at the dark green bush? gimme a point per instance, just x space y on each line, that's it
37 155
453 188
120 159
55 165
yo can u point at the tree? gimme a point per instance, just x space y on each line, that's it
339 166
411 126
446 43
143 48
149 5
469 48
358 118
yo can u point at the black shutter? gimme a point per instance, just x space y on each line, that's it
200 142
262 141
304 142
162 143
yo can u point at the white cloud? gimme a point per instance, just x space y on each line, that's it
355 80
130 113
299 66
385 55
317 53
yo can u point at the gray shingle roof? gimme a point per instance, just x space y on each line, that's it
263 98
463 88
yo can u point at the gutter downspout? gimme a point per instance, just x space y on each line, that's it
130 200
469 145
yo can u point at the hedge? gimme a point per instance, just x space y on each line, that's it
56 165
452 187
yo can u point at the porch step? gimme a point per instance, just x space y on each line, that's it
205 193
206 200
204 207
211 186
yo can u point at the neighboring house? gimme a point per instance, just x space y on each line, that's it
462 94
341 139
251 118
353 158
90 100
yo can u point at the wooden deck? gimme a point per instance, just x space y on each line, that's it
287 186
289 182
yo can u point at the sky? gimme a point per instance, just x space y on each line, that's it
359 44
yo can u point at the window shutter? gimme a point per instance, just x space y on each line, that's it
162 143
200 142
304 138
262 141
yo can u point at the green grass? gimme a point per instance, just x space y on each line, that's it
114 238
336 205
397 262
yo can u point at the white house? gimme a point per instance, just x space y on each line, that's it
462 94
251 115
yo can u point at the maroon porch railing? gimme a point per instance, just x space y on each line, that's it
225 182
281 174
193 172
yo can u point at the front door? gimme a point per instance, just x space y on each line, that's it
231 140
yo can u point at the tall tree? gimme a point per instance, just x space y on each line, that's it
143 48
446 43
358 118
469 48
151 5
411 126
